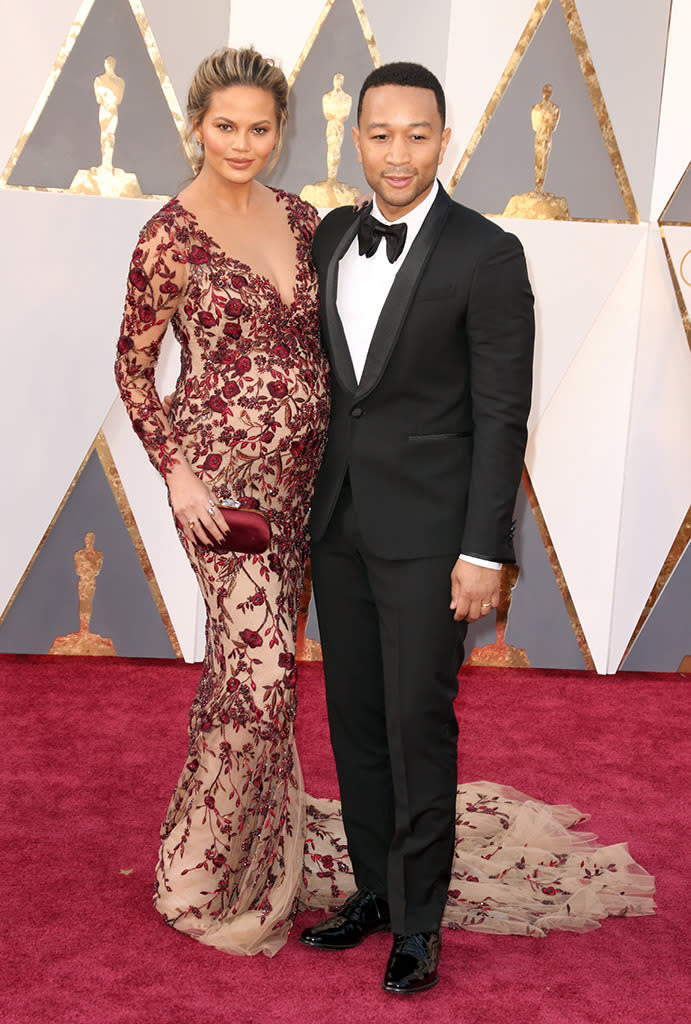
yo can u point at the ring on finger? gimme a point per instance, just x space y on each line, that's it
486 604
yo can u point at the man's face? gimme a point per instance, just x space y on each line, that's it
400 142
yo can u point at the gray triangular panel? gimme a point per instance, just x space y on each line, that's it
66 136
678 211
340 47
579 166
665 639
538 620
123 608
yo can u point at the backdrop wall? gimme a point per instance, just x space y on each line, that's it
604 524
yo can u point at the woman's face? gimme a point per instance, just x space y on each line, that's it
238 131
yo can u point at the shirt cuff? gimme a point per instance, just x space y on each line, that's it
484 562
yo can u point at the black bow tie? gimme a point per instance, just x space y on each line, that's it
370 233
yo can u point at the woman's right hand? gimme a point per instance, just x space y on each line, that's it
194 505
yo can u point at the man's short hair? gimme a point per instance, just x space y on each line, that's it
404 72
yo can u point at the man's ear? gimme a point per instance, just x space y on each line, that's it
356 140
445 136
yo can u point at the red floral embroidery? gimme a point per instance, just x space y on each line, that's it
253 384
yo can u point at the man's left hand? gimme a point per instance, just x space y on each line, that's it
474 590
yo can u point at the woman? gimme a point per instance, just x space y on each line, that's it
247 421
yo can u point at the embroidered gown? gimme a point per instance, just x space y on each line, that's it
242 848
249 414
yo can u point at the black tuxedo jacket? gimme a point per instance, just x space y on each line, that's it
434 434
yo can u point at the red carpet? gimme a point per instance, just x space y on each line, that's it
92 749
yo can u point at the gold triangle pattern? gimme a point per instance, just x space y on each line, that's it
675 223
558 571
587 66
60 61
670 563
685 273
366 31
100 446
685 263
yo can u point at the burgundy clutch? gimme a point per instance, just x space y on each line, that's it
250 532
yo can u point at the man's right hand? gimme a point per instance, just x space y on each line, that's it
474 590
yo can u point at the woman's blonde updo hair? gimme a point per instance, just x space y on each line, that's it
228 67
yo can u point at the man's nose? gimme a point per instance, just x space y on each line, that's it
399 151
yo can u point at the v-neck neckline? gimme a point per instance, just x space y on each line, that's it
245 267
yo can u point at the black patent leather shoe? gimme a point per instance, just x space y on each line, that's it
362 914
412 965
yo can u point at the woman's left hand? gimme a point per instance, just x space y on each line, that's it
363 201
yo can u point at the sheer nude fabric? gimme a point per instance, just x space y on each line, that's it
519 866
249 414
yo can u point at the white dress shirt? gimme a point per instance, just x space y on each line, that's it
364 282
363 285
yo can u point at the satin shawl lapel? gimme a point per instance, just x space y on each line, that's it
341 363
401 295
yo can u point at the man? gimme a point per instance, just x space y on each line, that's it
431 353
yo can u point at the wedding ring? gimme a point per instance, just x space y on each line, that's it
191 522
486 604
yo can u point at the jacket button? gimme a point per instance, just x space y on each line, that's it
357 412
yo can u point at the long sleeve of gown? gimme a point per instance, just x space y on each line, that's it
155 283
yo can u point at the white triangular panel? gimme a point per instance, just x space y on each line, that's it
278 29
657 483
576 457
573 268
678 239
146 494
482 39
27 60
69 258
674 146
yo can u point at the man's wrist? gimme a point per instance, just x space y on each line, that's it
483 562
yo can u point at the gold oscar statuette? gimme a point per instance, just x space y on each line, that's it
538 204
107 180
500 654
87 565
336 106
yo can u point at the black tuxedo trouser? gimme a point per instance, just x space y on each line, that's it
391 656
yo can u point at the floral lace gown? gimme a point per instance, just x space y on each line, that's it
249 414
242 847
